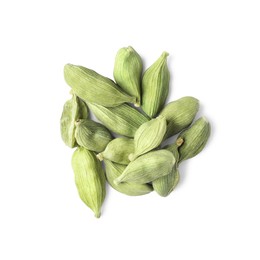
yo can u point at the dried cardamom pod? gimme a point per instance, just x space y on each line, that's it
148 136
179 114
92 135
90 179
194 139
73 109
123 119
166 184
155 86
118 150
148 167
114 170
93 87
127 72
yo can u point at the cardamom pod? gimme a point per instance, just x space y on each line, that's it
166 184
92 135
73 109
155 86
148 167
118 150
127 72
114 170
179 114
123 119
90 179
194 139
148 136
93 87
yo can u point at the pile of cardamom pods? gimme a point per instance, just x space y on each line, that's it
134 125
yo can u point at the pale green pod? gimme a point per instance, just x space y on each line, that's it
73 109
93 87
127 72
149 136
179 114
114 170
166 184
123 119
118 150
194 139
92 135
155 86
90 179
148 167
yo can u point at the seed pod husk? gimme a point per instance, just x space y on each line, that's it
93 87
155 86
179 114
148 167
123 119
114 170
194 139
89 178
127 72
73 109
166 184
118 150
148 136
92 135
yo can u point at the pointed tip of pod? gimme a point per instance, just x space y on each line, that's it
97 214
165 54
131 157
100 157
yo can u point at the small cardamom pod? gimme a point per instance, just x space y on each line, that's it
148 167
90 179
127 72
73 109
114 170
194 139
155 86
123 119
92 135
148 136
179 114
93 87
118 150
166 184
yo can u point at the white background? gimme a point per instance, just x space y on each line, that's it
214 51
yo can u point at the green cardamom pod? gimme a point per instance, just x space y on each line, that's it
90 179
179 114
194 139
73 109
123 119
148 167
166 184
92 135
93 87
114 170
127 72
149 136
155 86
118 150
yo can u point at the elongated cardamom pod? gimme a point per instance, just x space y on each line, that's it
155 86
166 184
114 170
93 87
127 72
123 119
179 114
118 150
90 179
148 167
92 135
194 139
148 136
73 109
